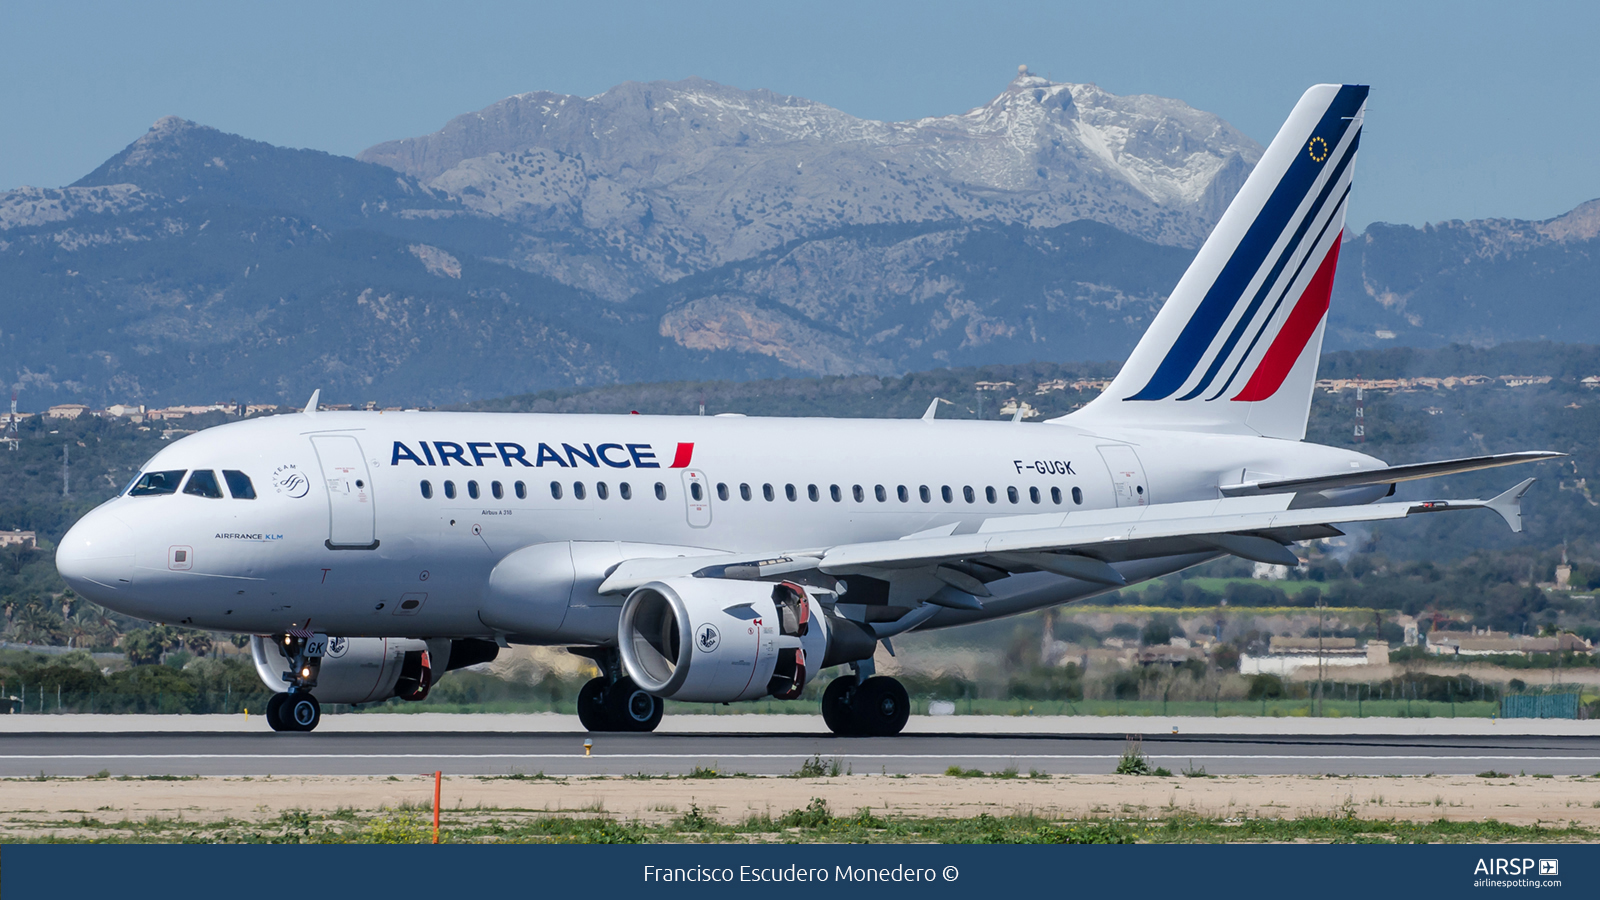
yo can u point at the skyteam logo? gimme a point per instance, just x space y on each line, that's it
509 454
1270 293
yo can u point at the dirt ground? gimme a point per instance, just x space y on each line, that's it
37 808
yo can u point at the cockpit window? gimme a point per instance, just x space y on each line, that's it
153 483
239 484
203 483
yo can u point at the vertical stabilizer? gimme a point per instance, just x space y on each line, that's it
1235 348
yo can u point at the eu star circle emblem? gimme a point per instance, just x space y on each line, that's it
1318 148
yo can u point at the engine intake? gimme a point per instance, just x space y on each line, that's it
715 640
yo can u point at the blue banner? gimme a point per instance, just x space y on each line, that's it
132 872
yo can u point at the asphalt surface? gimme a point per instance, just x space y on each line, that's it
499 753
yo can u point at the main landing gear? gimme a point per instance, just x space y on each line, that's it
865 705
612 702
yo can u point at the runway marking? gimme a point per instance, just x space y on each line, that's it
795 755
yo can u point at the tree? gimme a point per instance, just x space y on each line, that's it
36 623
145 646
199 643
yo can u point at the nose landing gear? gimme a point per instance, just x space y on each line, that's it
296 709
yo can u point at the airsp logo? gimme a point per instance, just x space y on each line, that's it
337 647
708 638
289 481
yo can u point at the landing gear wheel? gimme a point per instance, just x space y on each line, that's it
881 707
836 706
630 709
300 712
592 710
275 710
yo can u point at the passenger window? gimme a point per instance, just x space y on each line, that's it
472 489
989 494
496 490
626 490
855 491
1077 496
695 491
766 491
555 490
1033 494
1055 496
151 484
577 490
945 492
203 483
925 494
449 490
661 491
966 492
522 490
813 493
903 494
744 492
601 491
1011 494
239 484
788 491
835 493
722 491
880 493
427 490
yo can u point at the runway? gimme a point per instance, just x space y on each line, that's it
24 754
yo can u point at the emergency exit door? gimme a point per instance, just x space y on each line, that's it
1127 474
697 497
351 521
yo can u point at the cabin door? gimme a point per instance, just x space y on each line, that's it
351 521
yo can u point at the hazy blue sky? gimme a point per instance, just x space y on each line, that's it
1478 109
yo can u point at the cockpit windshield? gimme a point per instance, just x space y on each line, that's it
203 483
239 484
153 483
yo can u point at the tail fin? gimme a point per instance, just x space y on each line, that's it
1235 348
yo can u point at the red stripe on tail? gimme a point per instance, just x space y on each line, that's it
680 460
1296 332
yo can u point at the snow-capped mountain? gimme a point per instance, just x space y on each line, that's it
670 178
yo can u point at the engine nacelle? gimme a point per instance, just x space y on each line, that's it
548 593
714 640
366 670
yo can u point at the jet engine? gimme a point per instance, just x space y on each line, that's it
714 640
366 670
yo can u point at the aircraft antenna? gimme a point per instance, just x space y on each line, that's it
1361 414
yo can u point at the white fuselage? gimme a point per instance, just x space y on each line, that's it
340 531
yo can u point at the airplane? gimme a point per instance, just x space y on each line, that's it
723 558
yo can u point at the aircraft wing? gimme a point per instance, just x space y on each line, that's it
1076 544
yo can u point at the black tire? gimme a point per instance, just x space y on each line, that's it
881 706
301 712
630 709
836 710
274 710
592 711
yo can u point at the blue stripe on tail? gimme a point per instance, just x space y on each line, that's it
1202 328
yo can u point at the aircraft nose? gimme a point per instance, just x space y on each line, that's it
96 555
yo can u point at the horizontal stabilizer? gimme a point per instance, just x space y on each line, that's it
1389 475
